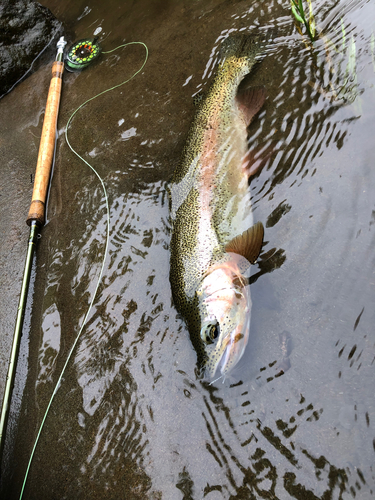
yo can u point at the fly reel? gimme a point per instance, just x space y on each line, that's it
82 53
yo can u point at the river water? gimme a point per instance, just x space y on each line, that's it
131 420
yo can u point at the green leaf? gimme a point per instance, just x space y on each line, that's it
311 20
300 11
296 15
312 26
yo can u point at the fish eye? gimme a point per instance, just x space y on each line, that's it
210 332
214 331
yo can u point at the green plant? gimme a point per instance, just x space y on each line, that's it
342 85
299 14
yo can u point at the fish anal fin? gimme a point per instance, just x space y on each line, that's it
248 244
250 102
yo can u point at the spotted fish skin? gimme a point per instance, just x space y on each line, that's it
211 213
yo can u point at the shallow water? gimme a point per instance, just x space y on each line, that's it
131 420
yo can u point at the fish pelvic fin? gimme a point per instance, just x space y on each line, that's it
248 244
250 102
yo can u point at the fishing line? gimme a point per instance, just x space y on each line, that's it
58 383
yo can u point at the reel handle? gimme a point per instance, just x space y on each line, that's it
46 148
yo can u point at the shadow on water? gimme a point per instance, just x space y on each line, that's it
260 475
130 420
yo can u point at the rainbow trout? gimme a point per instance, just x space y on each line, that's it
213 239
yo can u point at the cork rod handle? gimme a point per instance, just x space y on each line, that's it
46 147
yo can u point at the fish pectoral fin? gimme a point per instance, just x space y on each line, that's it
248 244
250 102
241 281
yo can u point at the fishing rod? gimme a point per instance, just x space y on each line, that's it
35 219
79 56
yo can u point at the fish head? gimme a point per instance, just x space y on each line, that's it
225 307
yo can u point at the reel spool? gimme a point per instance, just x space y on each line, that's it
82 53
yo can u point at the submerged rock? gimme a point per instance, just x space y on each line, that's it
26 30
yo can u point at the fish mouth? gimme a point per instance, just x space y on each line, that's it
219 366
225 356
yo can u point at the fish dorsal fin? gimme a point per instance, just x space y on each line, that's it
250 102
248 244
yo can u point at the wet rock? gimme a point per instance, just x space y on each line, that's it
26 29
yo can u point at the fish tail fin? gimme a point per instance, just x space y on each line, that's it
243 47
